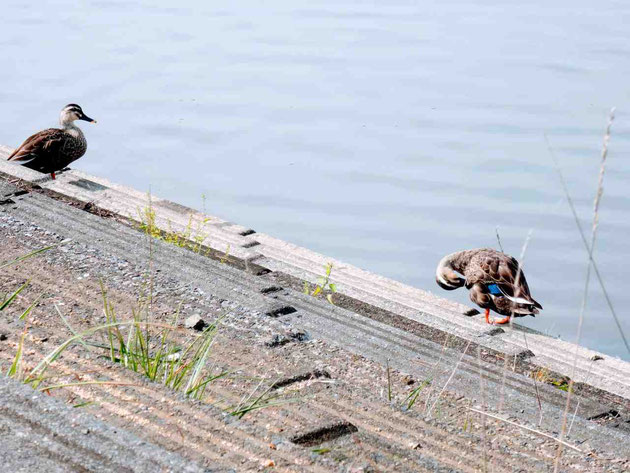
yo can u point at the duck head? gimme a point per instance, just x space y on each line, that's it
72 112
445 275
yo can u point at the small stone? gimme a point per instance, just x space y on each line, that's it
268 463
299 335
174 356
596 358
277 340
3 337
280 339
195 322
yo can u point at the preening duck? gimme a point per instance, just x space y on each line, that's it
493 279
51 150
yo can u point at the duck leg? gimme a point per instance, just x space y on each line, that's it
52 174
502 321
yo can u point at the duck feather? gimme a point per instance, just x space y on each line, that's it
47 151
488 266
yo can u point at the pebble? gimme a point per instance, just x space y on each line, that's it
195 322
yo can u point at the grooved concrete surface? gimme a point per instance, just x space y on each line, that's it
434 314
439 434
40 434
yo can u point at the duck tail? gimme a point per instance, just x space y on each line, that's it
18 156
527 301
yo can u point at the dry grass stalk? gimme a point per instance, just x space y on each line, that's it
434 372
482 389
591 248
534 378
529 429
448 380
577 405
581 231
516 293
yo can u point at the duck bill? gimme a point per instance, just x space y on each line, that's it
87 119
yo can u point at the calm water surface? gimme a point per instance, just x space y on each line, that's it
386 134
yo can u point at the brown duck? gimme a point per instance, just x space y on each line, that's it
493 279
51 150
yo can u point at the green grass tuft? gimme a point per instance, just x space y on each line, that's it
412 397
149 349
323 285
191 237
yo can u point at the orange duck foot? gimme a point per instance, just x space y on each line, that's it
52 174
502 321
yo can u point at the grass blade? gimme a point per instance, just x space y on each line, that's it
14 369
84 383
72 330
36 375
31 254
12 297
30 308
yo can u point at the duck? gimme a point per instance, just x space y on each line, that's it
51 150
494 281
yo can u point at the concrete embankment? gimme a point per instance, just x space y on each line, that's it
330 361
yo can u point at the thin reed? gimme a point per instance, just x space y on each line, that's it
590 266
261 397
578 224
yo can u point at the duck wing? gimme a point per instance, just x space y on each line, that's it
501 270
43 147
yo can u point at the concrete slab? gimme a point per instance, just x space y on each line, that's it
422 308
336 333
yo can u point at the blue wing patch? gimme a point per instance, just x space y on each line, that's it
494 289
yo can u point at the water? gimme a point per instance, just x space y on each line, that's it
386 134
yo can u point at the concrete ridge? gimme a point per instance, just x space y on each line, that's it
61 437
